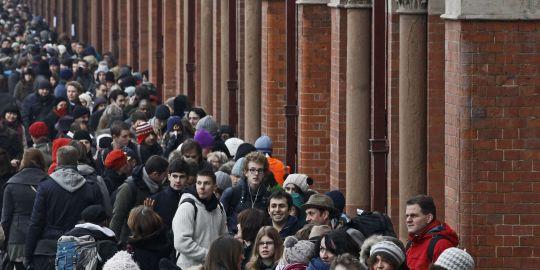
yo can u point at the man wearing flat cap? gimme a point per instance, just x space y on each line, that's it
319 209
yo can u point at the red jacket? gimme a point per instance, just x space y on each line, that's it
417 254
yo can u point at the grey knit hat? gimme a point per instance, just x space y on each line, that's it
238 167
300 180
297 251
455 259
223 180
209 124
389 251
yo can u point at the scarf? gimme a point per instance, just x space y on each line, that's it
209 204
153 186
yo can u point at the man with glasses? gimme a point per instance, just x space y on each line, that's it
250 192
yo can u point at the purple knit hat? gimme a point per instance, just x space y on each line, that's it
204 138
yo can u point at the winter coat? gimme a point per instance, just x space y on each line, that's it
18 201
193 235
113 180
36 108
146 151
23 89
129 195
60 90
417 254
13 79
60 199
166 204
317 264
105 240
11 142
147 251
291 227
90 175
46 150
238 198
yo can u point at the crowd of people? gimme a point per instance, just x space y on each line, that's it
89 152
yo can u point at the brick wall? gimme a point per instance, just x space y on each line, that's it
197 53
435 112
491 140
180 66
241 70
170 53
273 75
143 34
216 69
338 90
123 36
314 42
105 28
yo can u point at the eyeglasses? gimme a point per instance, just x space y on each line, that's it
256 171
269 243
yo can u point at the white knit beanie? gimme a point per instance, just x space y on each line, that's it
455 259
299 180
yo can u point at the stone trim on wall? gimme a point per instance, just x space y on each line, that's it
412 6
492 10
359 4
312 2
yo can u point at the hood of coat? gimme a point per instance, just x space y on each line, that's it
85 170
157 241
68 178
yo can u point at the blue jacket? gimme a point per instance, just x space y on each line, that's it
291 227
317 264
60 199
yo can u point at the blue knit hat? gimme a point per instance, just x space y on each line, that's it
238 166
338 198
264 144
173 120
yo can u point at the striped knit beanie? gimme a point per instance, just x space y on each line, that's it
142 131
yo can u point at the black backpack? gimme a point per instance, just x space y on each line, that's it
370 223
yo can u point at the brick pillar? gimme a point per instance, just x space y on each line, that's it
143 34
70 10
314 41
252 64
216 60
123 31
338 89
155 36
412 102
224 62
393 114
358 169
206 56
95 24
132 29
273 77
491 133
105 28
113 28
169 48
435 105
83 19
180 45
240 43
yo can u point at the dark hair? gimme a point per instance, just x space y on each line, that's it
340 242
117 127
115 93
208 173
138 115
156 164
142 92
281 194
373 260
224 253
81 150
5 162
178 165
33 158
190 145
348 261
199 111
426 204
143 221
251 220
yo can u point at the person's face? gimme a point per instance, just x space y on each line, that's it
74 67
291 188
279 210
72 93
101 77
121 101
5 44
326 255
381 264
205 187
234 180
316 216
124 137
266 247
52 80
254 173
158 177
101 107
86 144
160 124
28 77
83 119
192 154
177 180
144 106
83 102
151 139
79 48
102 91
43 92
54 68
415 219
214 161
83 65
61 105
193 119
10 117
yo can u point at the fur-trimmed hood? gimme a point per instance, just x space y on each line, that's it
374 239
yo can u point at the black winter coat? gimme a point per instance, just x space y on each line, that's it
166 204
57 208
113 180
18 202
36 108
149 250
11 142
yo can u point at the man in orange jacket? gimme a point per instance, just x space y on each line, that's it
264 145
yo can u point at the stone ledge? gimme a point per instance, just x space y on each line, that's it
492 10
312 2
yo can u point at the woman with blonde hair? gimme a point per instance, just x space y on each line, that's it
267 250
111 113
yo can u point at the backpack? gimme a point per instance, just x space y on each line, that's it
132 188
431 247
370 223
76 253
192 202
